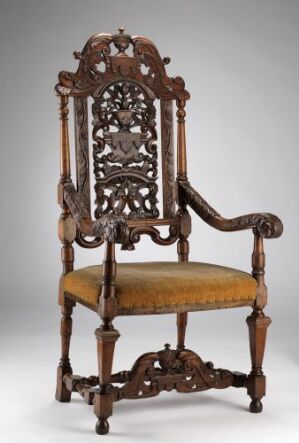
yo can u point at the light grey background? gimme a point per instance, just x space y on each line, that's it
240 61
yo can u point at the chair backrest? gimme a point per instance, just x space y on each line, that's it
123 76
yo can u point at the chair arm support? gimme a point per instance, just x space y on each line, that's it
265 224
110 226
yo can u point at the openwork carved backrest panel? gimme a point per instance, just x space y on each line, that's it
124 152
124 75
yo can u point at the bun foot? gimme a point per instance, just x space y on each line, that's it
102 426
256 406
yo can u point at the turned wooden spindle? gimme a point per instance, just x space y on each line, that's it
182 317
67 230
67 233
183 244
181 141
258 323
258 270
65 165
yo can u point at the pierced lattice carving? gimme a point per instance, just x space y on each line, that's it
124 152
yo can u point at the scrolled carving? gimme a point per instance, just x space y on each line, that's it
105 57
154 372
82 240
182 370
265 224
133 236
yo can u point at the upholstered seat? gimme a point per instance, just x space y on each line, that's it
148 287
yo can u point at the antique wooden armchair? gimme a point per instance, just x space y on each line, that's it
124 77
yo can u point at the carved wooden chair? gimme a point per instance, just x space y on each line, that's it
124 77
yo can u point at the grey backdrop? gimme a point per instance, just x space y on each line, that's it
240 61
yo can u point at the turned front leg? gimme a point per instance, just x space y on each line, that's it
256 388
106 337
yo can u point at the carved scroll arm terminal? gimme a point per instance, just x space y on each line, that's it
265 224
111 227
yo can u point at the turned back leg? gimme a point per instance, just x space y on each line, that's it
181 322
62 393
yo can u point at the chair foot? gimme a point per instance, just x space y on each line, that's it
62 394
256 406
102 426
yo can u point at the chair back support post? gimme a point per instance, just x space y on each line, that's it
66 223
65 165
183 244
181 141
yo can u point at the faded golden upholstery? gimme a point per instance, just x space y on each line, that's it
157 286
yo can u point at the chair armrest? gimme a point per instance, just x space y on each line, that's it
265 224
111 227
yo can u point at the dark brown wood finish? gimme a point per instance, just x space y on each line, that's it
167 158
67 233
123 77
152 373
82 149
106 337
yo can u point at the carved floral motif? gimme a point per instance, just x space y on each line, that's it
125 156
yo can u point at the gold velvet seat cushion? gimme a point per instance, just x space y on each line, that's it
165 286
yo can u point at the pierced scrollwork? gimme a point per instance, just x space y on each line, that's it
169 369
125 155
106 57
133 236
154 372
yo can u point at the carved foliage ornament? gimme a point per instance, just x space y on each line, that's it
82 153
106 57
265 224
124 153
169 369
